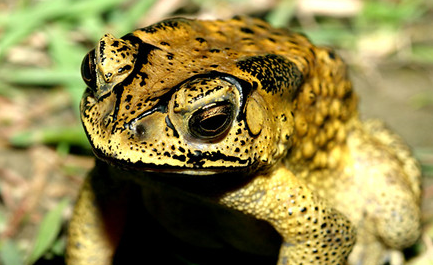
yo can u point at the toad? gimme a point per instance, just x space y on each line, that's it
233 142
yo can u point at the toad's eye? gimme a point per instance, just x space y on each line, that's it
211 121
88 70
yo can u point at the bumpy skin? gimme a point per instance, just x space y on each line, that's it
239 138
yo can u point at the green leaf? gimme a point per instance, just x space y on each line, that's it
421 100
38 76
53 135
59 246
423 53
10 254
18 25
281 15
391 13
128 21
48 231
67 57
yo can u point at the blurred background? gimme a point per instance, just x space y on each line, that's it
44 154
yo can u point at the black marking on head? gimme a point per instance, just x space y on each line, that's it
171 23
149 30
143 76
122 48
181 158
274 72
118 91
198 158
170 56
171 126
144 49
102 48
123 69
313 52
261 26
247 30
272 40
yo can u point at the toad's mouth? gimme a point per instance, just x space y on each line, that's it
212 181
166 168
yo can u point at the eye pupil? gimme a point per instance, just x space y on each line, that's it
211 121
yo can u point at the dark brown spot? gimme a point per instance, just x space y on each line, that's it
247 30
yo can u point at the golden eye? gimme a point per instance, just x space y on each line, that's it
88 70
212 120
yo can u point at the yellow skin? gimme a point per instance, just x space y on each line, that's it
239 138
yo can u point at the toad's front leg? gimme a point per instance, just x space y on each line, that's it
97 222
312 232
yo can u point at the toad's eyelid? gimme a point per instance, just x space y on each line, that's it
235 82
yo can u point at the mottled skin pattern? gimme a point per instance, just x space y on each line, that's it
235 137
